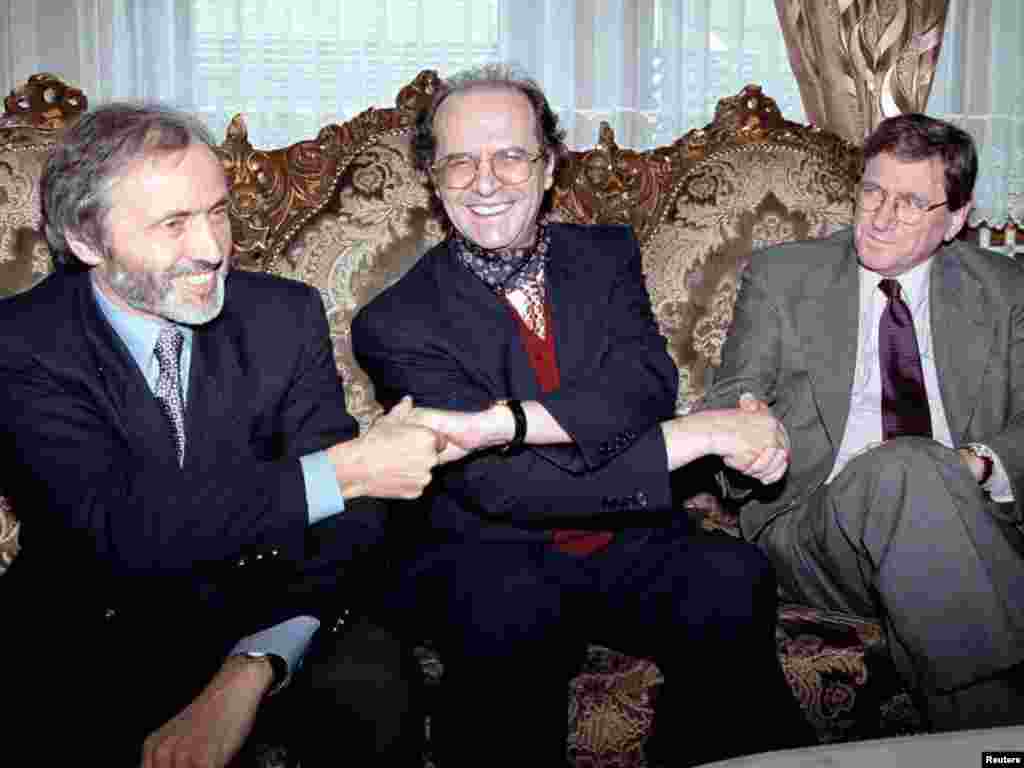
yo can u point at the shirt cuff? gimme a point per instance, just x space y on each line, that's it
998 485
323 496
289 640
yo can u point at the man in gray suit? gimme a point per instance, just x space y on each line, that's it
894 356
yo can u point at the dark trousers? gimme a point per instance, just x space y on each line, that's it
98 682
355 701
512 622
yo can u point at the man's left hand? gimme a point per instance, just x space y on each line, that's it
211 730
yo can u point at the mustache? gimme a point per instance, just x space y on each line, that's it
195 268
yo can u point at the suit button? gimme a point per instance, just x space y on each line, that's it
275 552
641 498
109 614
240 563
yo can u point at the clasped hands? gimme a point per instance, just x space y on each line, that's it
393 459
748 438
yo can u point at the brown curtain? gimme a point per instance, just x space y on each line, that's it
859 61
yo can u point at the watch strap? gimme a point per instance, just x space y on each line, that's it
519 415
983 454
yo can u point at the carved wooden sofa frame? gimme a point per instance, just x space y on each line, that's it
346 213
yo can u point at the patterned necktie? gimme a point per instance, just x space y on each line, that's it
905 408
168 384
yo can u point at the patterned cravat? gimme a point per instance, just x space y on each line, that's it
168 384
905 408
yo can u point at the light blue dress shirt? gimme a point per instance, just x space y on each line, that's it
290 639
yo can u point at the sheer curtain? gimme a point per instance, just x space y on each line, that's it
111 49
979 85
652 68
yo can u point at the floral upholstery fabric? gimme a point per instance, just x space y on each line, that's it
735 201
376 225
24 257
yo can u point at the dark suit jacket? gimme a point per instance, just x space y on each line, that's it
440 335
113 530
794 343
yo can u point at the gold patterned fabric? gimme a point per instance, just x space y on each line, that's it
860 61
24 257
376 225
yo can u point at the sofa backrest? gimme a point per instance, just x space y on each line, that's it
346 212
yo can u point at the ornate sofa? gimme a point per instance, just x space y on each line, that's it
346 213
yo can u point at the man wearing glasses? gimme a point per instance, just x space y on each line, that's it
893 353
532 346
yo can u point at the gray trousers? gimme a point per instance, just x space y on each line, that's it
904 534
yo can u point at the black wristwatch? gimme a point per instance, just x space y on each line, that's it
519 437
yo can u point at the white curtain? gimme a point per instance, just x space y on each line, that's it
979 85
111 49
652 68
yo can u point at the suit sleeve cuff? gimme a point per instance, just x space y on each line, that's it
323 496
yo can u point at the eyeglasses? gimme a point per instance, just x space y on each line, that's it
909 210
509 166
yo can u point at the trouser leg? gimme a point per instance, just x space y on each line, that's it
507 656
356 699
903 533
704 609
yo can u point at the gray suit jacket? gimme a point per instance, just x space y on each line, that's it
793 343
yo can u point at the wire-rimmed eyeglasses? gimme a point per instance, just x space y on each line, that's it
908 209
509 166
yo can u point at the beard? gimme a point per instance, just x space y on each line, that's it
156 294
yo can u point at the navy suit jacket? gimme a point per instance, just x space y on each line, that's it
440 335
111 525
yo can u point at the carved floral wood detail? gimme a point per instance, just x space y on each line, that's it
275 192
44 102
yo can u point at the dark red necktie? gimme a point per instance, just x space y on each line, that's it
904 399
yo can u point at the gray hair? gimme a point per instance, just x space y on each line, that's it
497 75
90 157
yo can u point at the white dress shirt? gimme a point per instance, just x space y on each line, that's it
864 424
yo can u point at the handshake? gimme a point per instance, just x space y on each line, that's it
748 438
395 456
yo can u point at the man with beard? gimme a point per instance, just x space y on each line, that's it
532 346
175 440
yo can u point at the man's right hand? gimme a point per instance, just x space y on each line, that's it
748 438
753 441
391 460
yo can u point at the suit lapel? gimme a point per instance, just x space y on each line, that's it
483 333
565 289
962 337
133 409
215 365
829 323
